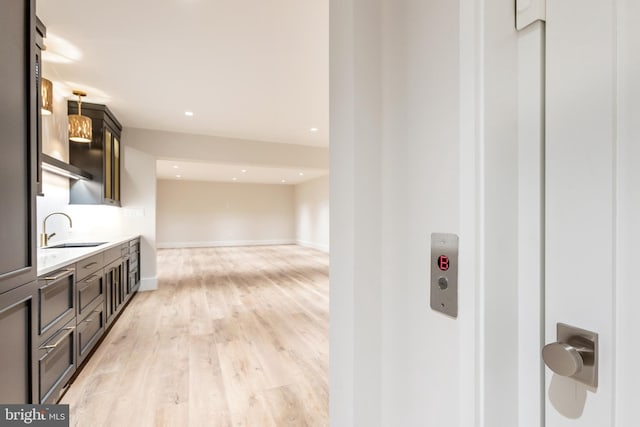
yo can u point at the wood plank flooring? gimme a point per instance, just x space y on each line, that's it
232 337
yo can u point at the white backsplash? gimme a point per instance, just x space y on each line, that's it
90 222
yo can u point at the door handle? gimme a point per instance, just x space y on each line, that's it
574 355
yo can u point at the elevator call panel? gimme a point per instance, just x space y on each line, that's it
444 273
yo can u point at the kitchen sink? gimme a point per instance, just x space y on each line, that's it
76 245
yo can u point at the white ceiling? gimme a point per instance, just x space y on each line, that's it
248 69
193 171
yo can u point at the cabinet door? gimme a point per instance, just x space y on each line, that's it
112 278
18 139
116 169
111 167
108 164
18 358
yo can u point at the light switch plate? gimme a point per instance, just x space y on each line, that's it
444 273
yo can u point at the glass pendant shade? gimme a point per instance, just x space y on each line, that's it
79 125
46 88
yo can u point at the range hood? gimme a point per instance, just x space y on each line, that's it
53 165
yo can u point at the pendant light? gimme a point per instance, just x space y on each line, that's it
79 125
46 91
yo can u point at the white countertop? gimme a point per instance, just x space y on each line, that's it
51 259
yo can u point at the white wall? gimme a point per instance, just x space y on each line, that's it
202 148
197 214
312 213
423 139
139 208
627 292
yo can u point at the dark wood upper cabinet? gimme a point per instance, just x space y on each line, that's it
18 141
101 158
41 33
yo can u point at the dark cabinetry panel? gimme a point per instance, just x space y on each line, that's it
18 329
113 279
57 362
90 330
18 139
90 290
56 297
101 157
18 172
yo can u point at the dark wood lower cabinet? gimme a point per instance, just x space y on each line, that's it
49 327
113 279
18 332
57 362
90 330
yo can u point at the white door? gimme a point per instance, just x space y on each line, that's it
592 206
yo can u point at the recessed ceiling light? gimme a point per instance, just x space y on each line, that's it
314 129
301 173
243 171
178 176
175 166
234 178
188 113
283 181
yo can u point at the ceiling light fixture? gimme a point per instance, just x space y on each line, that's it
314 129
188 113
243 171
234 178
301 173
46 92
79 125
178 176
175 166
283 181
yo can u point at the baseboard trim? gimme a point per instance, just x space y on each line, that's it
148 284
222 243
313 245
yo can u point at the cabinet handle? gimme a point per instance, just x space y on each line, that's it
90 278
63 273
62 338
91 264
89 320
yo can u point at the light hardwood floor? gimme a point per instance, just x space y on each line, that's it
232 337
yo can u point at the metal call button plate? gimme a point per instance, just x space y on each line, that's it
444 273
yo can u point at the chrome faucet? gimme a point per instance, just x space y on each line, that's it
44 237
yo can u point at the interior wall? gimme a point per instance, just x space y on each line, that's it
500 248
627 294
428 92
204 148
312 213
139 209
202 214
403 165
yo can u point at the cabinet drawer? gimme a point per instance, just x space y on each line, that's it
57 363
112 254
90 329
134 246
90 290
57 301
89 266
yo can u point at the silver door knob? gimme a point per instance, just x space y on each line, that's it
562 358
574 355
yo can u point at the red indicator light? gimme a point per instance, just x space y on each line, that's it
443 262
